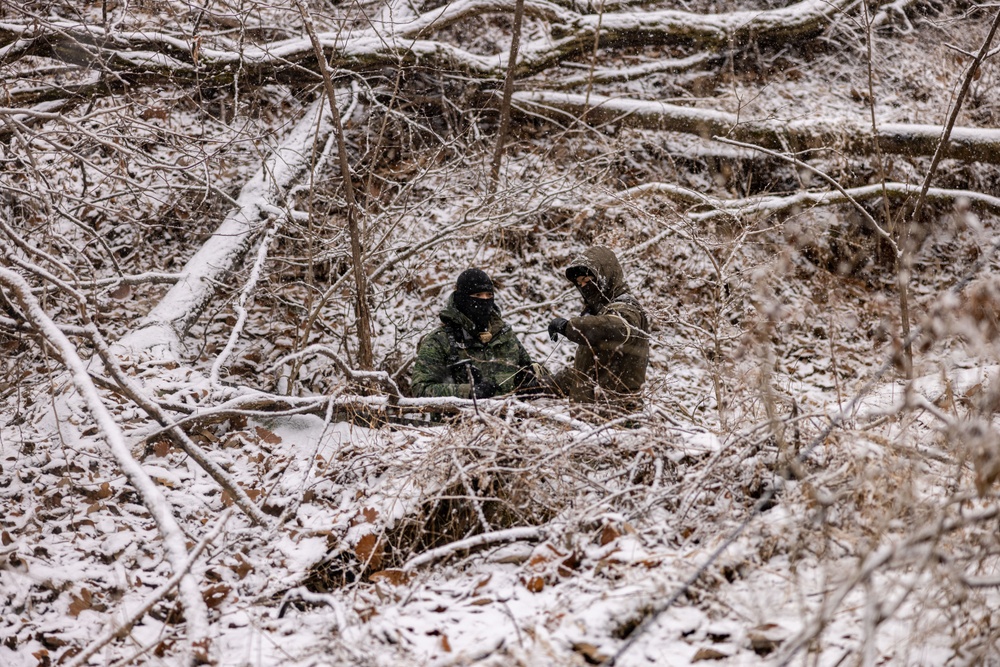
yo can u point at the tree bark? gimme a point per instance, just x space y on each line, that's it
222 254
361 310
508 91
135 55
847 135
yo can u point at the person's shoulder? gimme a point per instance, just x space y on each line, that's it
436 337
627 306
625 302
502 331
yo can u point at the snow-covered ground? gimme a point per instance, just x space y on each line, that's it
785 495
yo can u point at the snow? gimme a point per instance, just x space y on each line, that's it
371 549
171 317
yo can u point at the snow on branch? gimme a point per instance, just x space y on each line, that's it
382 377
224 251
707 207
509 535
780 24
453 12
195 610
850 135
671 66
241 310
388 42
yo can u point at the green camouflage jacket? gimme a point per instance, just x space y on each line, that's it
438 369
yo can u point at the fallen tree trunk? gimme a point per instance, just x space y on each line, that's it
849 135
149 55
211 266
706 207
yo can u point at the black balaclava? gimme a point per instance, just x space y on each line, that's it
474 281
593 296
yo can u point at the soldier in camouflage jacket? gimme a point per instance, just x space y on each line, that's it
612 333
474 352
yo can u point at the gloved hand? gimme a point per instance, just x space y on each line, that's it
556 327
533 380
466 371
485 388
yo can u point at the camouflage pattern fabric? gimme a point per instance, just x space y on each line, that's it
447 357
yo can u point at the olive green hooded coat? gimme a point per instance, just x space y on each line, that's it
439 369
612 334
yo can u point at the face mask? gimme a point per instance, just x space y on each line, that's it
477 310
593 296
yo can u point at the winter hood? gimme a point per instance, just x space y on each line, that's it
602 264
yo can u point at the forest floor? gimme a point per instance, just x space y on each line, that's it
785 494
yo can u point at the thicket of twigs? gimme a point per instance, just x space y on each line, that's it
208 452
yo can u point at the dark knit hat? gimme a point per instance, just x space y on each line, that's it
578 270
473 281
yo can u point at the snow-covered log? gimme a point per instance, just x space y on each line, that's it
850 135
704 207
156 53
260 199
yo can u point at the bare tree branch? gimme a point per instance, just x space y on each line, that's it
965 143
195 611
260 198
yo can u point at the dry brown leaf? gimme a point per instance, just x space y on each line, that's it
393 577
268 436
369 550
201 650
215 595
708 654
208 436
590 653
161 448
538 560
80 603
534 584
243 568
121 292
568 565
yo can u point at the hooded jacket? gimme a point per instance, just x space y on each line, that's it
612 334
440 368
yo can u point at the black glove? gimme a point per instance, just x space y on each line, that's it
485 388
556 327
466 371
525 379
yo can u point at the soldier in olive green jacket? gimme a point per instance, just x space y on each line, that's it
612 333
473 353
